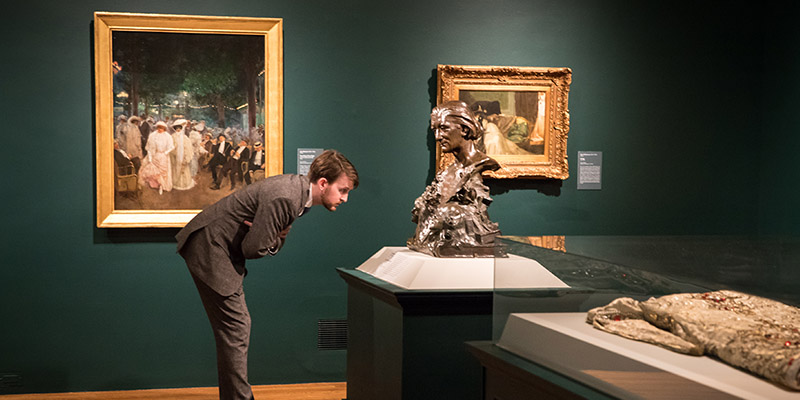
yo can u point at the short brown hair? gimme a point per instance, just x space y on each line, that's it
330 165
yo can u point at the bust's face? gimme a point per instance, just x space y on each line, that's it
449 134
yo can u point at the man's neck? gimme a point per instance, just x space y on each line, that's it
316 193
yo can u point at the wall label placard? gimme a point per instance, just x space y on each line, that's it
304 159
590 170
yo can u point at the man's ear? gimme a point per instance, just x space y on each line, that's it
322 183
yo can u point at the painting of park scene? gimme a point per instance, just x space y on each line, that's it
188 117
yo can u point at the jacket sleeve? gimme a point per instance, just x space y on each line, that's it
270 219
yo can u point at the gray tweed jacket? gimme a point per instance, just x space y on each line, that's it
216 242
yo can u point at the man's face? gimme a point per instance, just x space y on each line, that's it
336 192
449 134
242 143
221 139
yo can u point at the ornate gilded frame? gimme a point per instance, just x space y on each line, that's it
553 82
105 24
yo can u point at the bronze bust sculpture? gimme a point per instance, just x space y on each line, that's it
451 214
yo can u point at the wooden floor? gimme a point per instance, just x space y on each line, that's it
305 391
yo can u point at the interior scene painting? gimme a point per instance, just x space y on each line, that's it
514 121
188 118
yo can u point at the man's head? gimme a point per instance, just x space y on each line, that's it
242 143
257 146
333 177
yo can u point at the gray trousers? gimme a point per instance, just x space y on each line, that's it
230 322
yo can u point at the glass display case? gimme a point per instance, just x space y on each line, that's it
547 328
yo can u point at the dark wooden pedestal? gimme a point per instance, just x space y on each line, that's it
409 344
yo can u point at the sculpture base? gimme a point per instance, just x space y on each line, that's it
468 252
486 249
410 269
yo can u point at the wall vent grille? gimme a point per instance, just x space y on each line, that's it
332 334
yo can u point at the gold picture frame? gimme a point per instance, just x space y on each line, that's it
524 111
118 209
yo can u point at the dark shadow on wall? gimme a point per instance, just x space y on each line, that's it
547 187
135 235
431 143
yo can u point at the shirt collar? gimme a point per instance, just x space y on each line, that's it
309 203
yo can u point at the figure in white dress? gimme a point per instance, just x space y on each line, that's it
130 139
156 171
181 157
198 150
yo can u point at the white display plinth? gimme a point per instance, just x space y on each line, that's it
410 269
538 336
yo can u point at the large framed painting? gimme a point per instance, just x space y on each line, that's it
524 114
188 109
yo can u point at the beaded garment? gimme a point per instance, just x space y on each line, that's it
750 332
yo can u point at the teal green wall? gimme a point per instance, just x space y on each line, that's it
780 134
673 93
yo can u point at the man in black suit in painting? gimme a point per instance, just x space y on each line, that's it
256 162
221 152
233 168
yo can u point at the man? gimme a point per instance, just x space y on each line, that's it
121 158
220 154
208 145
144 129
233 168
256 162
251 223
